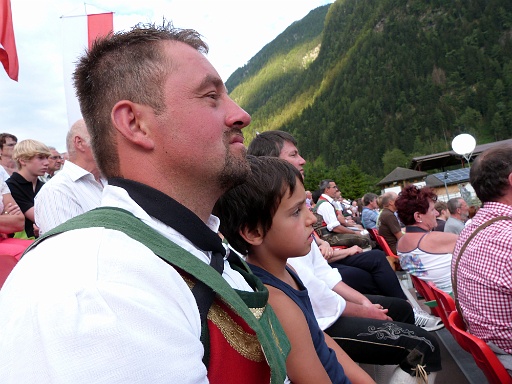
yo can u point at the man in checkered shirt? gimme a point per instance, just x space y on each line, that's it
484 273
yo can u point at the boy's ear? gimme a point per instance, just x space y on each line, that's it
252 236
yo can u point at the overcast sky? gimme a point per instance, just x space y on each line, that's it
35 106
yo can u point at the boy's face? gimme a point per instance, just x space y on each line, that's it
37 165
292 226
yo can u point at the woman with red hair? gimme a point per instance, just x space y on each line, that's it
424 253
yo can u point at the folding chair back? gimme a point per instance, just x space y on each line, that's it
385 246
445 304
424 290
484 357
373 233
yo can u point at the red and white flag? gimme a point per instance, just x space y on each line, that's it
79 32
8 54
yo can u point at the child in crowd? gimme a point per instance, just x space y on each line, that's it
267 219
31 157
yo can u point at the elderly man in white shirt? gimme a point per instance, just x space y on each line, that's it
74 190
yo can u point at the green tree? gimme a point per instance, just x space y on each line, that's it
394 158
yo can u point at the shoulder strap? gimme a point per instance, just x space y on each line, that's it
123 221
320 201
462 249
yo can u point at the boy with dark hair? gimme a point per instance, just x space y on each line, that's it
254 217
346 315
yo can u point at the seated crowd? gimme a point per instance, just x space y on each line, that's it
146 290
40 190
429 236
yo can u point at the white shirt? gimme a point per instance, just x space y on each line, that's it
3 174
69 193
328 213
319 278
95 306
4 190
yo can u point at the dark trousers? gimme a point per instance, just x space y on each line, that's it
370 341
370 273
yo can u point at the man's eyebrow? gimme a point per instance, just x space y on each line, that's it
209 80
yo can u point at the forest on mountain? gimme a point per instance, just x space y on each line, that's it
366 85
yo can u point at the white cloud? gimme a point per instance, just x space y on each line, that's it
35 106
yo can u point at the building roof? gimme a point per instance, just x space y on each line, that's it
400 174
449 158
455 176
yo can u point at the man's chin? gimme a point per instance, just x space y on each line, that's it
235 172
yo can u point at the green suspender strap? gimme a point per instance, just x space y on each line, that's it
263 321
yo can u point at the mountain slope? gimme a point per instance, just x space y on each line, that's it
359 78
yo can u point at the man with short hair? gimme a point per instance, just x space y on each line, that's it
459 213
141 290
7 163
442 208
334 230
370 211
76 189
389 226
482 273
54 164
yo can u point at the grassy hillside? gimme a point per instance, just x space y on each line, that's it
360 79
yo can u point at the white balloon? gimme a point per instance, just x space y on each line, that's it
463 144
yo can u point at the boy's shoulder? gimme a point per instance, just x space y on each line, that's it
284 306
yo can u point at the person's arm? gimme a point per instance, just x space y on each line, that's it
29 214
12 219
342 229
358 305
25 203
398 234
341 253
302 364
354 372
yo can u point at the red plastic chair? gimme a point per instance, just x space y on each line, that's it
392 258
484 357
445 304
373 233
424 290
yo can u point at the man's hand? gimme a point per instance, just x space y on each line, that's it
12 209
376 311
354 250
325 248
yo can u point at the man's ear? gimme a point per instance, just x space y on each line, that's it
252 236
131 120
